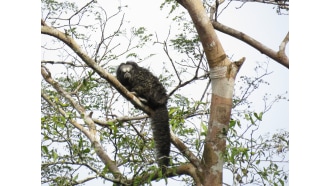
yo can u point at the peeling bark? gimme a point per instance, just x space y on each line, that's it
222 74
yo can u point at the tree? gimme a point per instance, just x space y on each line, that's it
82 110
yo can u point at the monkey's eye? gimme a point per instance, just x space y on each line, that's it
126 68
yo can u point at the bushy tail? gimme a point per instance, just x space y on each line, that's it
161 134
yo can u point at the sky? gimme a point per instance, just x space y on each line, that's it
20 80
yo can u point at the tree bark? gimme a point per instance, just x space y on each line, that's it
222 74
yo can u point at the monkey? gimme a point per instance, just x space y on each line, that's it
147 87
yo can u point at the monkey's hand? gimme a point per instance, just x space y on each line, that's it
144 101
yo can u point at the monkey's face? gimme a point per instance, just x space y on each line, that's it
126 70
126 73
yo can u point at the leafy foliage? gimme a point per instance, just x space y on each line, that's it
69 157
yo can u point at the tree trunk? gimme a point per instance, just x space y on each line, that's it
222 74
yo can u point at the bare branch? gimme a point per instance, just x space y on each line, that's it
171 60
92 1
283 60
119 119
187 82
61 62
282 4
285 41
110 37
43 23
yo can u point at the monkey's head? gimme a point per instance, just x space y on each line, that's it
125 70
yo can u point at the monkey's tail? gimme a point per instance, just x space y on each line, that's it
161 134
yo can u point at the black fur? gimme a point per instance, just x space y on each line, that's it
147 87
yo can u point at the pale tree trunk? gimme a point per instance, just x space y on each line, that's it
222 74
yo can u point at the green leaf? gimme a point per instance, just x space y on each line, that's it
44 149
204 129
255 115
259 117
55 155
238 123
75 177
46 137
64 104
80 143
85 151
245 171
172 110
197 143
110 123
232 123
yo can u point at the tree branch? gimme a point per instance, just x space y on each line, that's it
61 62
285 41
91 134
119 119
184 169
185 150
282 59
187 82
69 41
282 4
